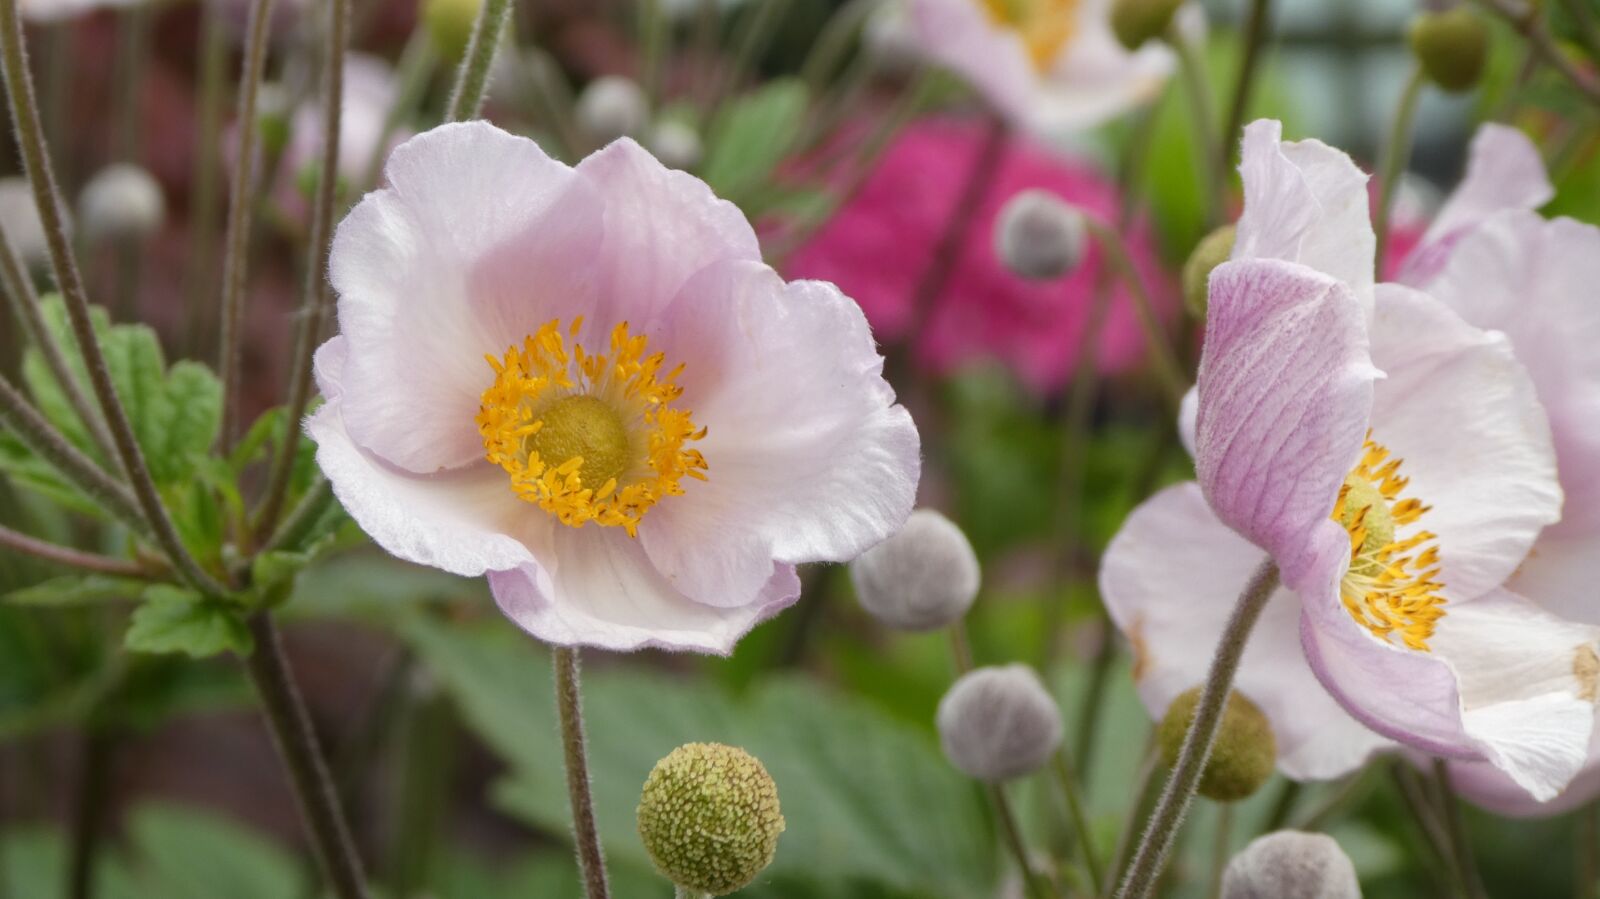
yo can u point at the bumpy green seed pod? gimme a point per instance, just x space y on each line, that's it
1452 47
1137 21
1243 756
1212 250
709 817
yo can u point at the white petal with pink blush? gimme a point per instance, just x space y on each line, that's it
583 382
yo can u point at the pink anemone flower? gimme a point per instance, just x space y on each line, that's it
584 383
1395 462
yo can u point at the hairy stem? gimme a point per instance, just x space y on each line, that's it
71 558
241 200
472 78
47 443
584 831
1396 152
1526 19
314 304
1151 856
303 760
204 194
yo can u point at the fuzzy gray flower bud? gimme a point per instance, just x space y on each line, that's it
1039 236
121 200
1291 865
1452 47
20 218
709 817
923 578
611 107
676 144
999 723
1243 756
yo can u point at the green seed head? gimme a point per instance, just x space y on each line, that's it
1452 47
449 24
1137 21
1212 250
709 817
1244 754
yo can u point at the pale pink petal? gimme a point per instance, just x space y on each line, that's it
1461 412
1535 281
460 521
1561 574
478 240
1169 580
595 587
959 35
1505 683
809 458
661 226
1305 202
1504 171
1285 391
1096 78
1486 786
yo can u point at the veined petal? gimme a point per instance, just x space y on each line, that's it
809 458
1305 202
478 239
1504 172
600 589
1285 392
1534 281
1504 683
1169 580
1486 786
1458 407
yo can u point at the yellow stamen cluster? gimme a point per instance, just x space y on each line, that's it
1392 586
589 437
1045 26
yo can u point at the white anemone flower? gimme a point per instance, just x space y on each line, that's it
584 383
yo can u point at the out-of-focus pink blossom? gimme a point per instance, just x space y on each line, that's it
879 244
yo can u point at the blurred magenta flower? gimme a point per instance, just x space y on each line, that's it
1394 461
878 245
584 383
1501 266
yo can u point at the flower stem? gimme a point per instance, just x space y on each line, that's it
1162 829
71 558
297 745
1169 371
960 648
1456 831
1423 812
472 78
241 200
1068 779
1255 34
292 532
1587 873
89 809
1203 113
1038 887
203 207
1526 19
314 303
1395 153
47 197
570 706
1222 842
47 443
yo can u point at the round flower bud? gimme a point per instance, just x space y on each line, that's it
1290 864
923 578
611 107
1243 756
272 118
1212 250
709 817
121 200
450 24
999 723
1039 236
1452 47
676 144
1137 21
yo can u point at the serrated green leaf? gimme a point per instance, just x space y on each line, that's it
77 590
753 135
866 798
185 424
174 619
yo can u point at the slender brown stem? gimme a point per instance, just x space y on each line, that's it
1526 19
1151 856
1456 831
314 305
472 79
569 703
47 443
1255 34
960 648
25 303
204 194
1169 371
303 760
47 197
1067 778
71 558
88 810
241 200
1038 887
1422 810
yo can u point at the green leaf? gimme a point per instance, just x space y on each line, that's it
753 135
77 590
195 855
173 619
183 427
866 798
